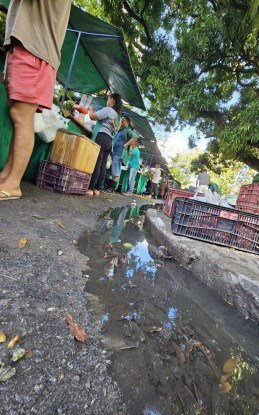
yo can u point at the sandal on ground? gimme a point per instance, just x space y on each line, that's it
8 196
89 193
96 193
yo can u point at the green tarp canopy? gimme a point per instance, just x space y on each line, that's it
101 61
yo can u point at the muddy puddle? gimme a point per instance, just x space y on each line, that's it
176 347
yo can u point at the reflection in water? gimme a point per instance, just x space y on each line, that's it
150 412
139 260
180 335
105 318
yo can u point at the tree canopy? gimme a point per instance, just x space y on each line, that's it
198 64
229 177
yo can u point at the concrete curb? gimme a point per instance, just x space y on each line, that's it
232 274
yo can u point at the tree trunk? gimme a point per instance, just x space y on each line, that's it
250 160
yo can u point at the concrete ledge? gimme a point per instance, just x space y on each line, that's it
233 274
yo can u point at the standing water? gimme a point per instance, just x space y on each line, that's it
176 347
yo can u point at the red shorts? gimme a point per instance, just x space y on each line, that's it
29 79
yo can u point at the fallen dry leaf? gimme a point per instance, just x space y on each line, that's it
142 337
2 337
22 242
29 354
13 342
179 353
115 261
155 329
6 373
77 331
225 387
229 366
18 354
59 223
37 217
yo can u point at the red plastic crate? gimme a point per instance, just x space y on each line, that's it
216 224
62 179
171 195
248 198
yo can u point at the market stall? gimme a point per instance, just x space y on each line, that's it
149 151
94 58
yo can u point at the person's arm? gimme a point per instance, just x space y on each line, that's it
133 138
99 115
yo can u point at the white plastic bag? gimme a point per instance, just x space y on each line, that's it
48 122
89 124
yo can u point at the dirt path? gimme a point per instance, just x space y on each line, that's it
38 287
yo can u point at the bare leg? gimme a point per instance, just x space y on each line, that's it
7 168
22 115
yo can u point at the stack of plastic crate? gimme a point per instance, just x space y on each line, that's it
62 179
171 195
248 198
216 224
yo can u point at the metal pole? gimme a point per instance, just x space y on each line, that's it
93 34
71 67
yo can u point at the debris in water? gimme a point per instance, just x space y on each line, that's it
59 223
6 373
115 261
225 387
180 355
77 331
22 243
155 329
130 285
2 337
229 366
128 245
13 342
18 354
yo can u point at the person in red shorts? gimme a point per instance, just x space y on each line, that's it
35 32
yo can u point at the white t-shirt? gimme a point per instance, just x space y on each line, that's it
107 115
156 175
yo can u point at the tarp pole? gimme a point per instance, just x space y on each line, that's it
94 34
71 67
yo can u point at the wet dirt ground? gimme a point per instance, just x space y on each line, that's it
175 347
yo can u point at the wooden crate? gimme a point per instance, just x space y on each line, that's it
75 151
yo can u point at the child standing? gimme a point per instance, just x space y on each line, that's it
134 164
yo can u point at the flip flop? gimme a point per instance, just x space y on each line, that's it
8 196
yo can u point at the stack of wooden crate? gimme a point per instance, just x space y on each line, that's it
72 162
